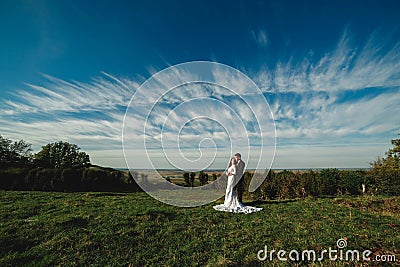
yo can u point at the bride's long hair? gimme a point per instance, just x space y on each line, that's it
230 162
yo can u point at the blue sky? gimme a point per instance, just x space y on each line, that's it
330 70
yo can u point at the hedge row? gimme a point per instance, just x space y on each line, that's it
82 179
328 182
278 184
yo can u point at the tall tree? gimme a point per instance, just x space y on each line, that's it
392 160
203 178
61 155
192 176
386 171
186 177
13 154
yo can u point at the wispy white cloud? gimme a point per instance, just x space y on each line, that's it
346 96
375 64
330 103
89 114
319 119
260 37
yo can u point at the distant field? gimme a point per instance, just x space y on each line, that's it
132 229
176 176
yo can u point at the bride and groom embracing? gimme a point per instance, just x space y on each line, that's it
233 201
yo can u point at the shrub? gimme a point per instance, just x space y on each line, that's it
286 185
329 181
72 179
186 177
45 179
263 192
95 179
192 176
387 181
350 182
203 178
130 183
13 178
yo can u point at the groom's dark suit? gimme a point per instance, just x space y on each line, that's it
239 176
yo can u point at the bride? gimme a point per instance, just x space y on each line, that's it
231 202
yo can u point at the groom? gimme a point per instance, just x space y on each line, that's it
239 176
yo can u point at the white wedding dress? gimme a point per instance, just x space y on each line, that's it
231 203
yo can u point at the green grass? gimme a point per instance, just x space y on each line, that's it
133 229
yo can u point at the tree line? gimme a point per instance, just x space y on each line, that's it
58 166
382 178
61 166
327 182
93 178
189 178
55 155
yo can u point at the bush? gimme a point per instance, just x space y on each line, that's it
95 179
46 179
203 178
30 179
107 179
247 176
72 180
186 177
192 176
289 184
280 185
387 181
350 182
285 184
13 178
329 181
311 183
264 192
130 183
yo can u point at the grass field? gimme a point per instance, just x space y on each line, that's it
132 229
